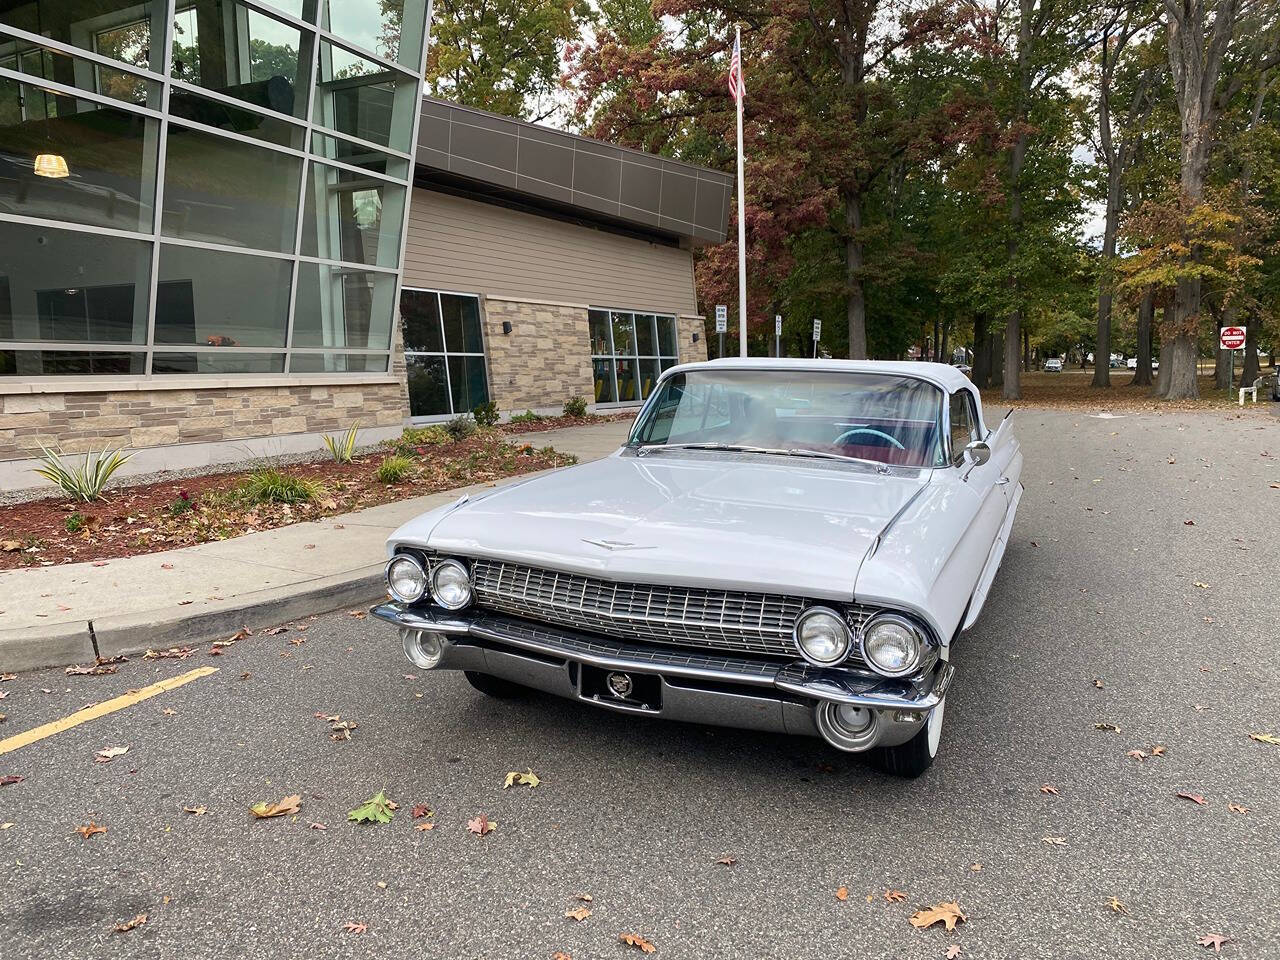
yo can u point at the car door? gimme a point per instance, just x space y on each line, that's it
998 487
981 480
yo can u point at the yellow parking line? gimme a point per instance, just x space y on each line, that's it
102 709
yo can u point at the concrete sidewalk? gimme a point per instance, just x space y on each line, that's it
52 616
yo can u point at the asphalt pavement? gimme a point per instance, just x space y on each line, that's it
1139 592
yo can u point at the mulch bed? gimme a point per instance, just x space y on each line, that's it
558 423
134 520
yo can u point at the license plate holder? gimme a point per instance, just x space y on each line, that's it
622 688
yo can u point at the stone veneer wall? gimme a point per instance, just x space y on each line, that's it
543 361
686 327
75 422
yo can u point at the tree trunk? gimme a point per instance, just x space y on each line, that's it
1146 314
853 260
1178 361
1222 361
1026 350
943 346
1102 350
1160 387
1249 372
996 350
981 354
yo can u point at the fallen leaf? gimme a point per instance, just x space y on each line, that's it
196 811
528 778
1136 755
420 810
169 712
351 927
422 827
635 940
1054 841
944 913
1157 751
378 809
561 955
1188 523
89 829
128 925
10 779
358 614
109 754
842 894
316 826
6 677
976 867
1106 726
1098 684
1202 586
166 566
1193 797
584 897
894 896
727 861
10 546
1117 905
1214 941
1237 808
953 951
1265 738
5 826
287 805
481 825
275 631
580 914
98 670
1049 788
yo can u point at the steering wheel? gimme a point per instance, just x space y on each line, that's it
845 437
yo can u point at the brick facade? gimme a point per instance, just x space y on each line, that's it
543 361
75 422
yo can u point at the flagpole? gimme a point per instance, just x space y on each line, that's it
742 225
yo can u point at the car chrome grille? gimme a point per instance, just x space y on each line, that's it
759 623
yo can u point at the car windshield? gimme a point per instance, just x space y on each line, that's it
881 417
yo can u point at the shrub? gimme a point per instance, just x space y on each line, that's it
486 414
461 427
86 480
394 469
527 417
576 406
270 485
342 446
426 436
75 523
182 504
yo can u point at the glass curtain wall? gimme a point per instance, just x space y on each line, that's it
204 186
628 352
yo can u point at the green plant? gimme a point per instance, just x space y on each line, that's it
461 427
394 469
75 523
426 436
182 504
342 446
576 406
270 485
85 481
527 417
486 414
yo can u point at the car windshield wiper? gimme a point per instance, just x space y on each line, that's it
826 455
725 447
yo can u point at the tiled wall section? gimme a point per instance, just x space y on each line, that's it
75 422
543 361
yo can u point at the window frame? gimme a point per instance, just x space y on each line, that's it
444 353
614 358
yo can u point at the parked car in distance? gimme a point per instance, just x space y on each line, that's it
964 368
793 546
1132 363
1053 365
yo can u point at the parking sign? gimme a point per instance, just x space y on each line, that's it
817 330
722 318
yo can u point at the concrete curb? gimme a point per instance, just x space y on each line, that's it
57 645
174 626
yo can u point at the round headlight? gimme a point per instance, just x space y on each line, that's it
822 636
451 585
406 579
892 645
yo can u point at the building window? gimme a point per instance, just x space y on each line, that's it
628 353
444 352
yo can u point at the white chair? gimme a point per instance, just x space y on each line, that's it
1253 391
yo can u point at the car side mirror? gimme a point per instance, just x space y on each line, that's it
977 452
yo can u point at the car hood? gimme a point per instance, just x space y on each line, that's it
712 520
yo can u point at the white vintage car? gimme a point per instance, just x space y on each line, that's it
783 545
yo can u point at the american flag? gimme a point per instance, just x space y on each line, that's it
737 88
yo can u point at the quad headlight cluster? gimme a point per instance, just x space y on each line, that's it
449 581
892 645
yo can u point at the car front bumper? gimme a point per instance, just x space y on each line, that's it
697 687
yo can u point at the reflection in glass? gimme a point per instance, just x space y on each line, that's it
428 389
216 362
229 192
336 148
602 371
628 379
338 363
45 64
352 217
461 324
71 286
361 98
338 307
377 26
186 105
624 341
420 321
468 382
199 303
648 377
242 53
667 345
120 29
646 342
110 153
598 321
68 363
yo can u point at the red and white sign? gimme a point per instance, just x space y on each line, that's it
1232 338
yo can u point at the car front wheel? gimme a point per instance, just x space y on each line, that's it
492 686
914 757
